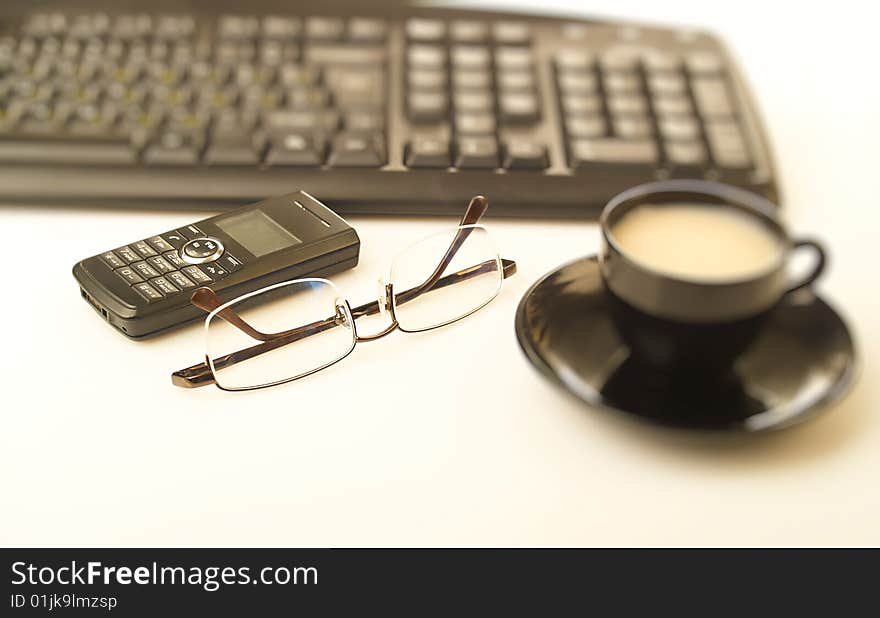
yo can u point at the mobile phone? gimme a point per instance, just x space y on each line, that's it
144 287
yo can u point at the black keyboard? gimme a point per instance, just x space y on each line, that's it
411 114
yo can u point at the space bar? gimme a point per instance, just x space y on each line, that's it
91 150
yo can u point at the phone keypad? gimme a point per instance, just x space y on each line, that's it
148 292
127 254
129 275
163 285
155 269
159 244
161 264
144 249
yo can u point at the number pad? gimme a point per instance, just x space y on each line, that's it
112 260
197 275
127 254
145 270
162 284
161 264
129 275
180 280
144 249
175 259
148 292
159 244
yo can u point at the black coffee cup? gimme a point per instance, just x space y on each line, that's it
684 326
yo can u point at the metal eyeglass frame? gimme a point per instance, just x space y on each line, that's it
206 299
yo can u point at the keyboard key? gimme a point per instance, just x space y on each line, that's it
144 249
522 154
619 59
163 285
427 79
145 270
469 31
159 243
516 81
622 83
180 280
679 129
363 29
301 121
295 149
418 29
511 32
667 85
160 264
97 149
356 87
344 54
632 127
474 102
658 61
472 80
357 150
237 27
728 146
428 106
281 28
611 152
148 292
476 153
128 275
364 121
577 83
712 98
704 63
426 56
579 105
685 154
585 126
427 152
239 148
627 104
112 260
575 60
127 254
475 123
196 275
518 107
324 28
672 106
513 58
470 57
174 148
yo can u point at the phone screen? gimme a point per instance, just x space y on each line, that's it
257 232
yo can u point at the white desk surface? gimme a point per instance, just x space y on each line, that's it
108 453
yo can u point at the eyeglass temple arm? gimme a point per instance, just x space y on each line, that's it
476 208
201 374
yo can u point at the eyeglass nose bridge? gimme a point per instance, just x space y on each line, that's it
385 306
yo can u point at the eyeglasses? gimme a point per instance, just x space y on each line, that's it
433 282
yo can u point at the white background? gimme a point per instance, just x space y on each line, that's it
109 453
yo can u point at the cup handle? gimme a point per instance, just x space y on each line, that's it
817 269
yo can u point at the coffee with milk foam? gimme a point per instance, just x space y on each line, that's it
702 242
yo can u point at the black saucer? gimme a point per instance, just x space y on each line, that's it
803 359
